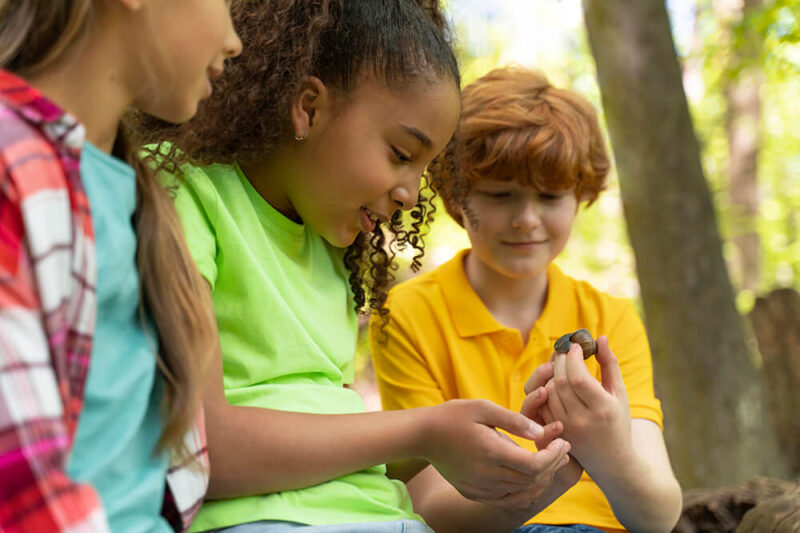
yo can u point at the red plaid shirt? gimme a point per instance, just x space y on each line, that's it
47 319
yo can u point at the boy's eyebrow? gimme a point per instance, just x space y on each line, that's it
424 139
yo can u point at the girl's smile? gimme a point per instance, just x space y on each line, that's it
369 219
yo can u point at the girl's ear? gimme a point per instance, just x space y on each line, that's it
310 107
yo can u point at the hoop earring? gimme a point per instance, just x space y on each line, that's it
302 137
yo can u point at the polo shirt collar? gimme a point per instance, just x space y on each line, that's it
471 317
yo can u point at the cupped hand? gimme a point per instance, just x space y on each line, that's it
463 443
556 475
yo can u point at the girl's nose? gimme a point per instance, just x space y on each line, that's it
406 194
233 45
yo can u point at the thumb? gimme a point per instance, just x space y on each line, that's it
514 423
610 373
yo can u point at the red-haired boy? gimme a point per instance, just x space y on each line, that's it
525 155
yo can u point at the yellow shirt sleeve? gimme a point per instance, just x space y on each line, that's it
628 341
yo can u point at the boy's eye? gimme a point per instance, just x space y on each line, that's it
549 196
400 155
495 194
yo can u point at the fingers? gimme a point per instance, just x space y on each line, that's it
551 431
515 423
584 386
533 463
551 459
558 388
532 403
521 472
547 415
610 373
539 378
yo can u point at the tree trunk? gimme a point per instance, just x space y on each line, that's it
776 322
742 92
704 376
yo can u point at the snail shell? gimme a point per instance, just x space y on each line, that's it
582 337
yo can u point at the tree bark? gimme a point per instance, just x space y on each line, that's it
742 123
704 376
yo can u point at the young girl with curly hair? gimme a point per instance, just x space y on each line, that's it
524 156
104 322
311 151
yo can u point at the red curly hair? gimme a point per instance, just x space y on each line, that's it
515 125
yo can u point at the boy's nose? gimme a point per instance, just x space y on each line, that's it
526 217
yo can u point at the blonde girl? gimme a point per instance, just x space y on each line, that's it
98 386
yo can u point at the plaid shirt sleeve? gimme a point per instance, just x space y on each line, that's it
36 244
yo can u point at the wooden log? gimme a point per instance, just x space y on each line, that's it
776 323
778 515
722 510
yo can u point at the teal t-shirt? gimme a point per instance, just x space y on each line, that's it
288 332
120 423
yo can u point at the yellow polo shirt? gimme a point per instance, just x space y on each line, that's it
442 343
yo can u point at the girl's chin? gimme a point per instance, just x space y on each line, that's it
341 240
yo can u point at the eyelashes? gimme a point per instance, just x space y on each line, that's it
401 156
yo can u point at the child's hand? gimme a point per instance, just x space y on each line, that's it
550 483
553 483
482 463
596 415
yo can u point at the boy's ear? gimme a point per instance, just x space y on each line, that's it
310 107
584 198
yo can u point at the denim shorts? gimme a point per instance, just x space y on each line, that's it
274 526
546 528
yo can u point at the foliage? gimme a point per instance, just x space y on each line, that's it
722 52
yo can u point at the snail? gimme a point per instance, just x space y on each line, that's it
582 337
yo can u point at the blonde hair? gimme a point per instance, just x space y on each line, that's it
35 34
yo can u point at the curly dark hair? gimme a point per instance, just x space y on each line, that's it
338 41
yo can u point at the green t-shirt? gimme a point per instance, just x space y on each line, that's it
288 332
